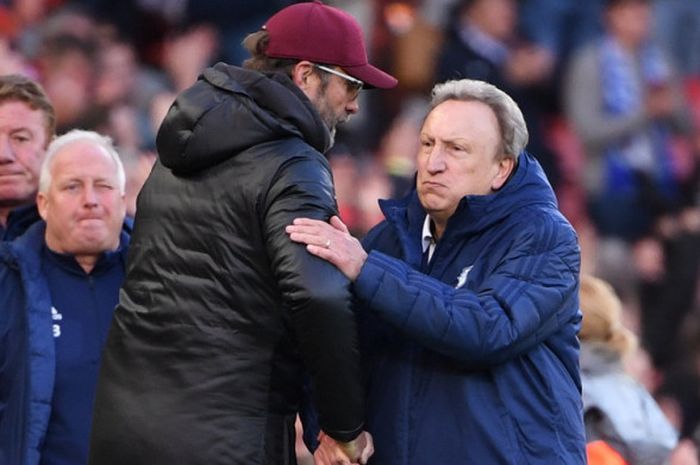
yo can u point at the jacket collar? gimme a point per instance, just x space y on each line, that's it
28 247
18 221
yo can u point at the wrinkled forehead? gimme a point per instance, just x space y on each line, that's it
462 117
26 108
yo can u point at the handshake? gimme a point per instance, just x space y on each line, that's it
332 452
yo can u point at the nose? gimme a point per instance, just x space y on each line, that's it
353 105
89 197
7 154
436 160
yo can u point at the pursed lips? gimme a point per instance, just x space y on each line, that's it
89 218
433 184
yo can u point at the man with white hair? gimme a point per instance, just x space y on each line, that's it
60 283
467 296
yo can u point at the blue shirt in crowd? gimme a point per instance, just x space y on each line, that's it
82 309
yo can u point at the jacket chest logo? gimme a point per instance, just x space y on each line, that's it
462 278
56 317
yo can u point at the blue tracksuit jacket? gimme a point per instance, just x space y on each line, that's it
27 348
473 358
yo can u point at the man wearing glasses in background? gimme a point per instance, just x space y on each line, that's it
221 315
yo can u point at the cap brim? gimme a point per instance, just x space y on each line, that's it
371 76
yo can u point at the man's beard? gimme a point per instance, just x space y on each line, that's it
331 122
331 132
328 116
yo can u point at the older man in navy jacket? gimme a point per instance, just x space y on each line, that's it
60 281
468 297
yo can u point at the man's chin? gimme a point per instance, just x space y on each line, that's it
15 202
93 244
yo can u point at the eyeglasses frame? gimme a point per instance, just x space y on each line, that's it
357 85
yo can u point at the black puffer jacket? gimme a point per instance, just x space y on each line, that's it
220 312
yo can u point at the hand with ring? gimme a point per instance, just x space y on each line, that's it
347 253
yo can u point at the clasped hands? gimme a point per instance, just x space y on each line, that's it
332 452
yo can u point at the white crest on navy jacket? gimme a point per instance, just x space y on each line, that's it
462 278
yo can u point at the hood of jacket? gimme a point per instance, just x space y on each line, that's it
528 186
598 359
230 109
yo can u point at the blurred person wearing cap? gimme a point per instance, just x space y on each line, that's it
27 125
221 318
467 297
59 285
621 417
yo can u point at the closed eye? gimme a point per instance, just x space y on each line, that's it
20 139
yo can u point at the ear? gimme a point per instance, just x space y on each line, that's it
301 74
505 168
42 204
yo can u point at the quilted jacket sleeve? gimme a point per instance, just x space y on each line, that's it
530 295
317 296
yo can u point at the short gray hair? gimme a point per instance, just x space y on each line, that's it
74 135
510 119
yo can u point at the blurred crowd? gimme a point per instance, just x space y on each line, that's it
610 91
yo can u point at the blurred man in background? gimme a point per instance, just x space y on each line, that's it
27 125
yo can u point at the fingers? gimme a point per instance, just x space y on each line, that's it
321 252
309 222
322 457
329 452
310 231
332 243
315 232
338 224
310 225
332 452
368 449
318 240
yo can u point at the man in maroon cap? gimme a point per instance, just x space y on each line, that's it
222 318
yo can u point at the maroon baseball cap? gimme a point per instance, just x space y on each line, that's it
322 34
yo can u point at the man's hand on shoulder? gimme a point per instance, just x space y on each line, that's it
331 242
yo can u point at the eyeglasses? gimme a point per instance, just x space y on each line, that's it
354 85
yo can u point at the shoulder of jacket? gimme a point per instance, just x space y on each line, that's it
295 154
542 229
382 237
285 150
